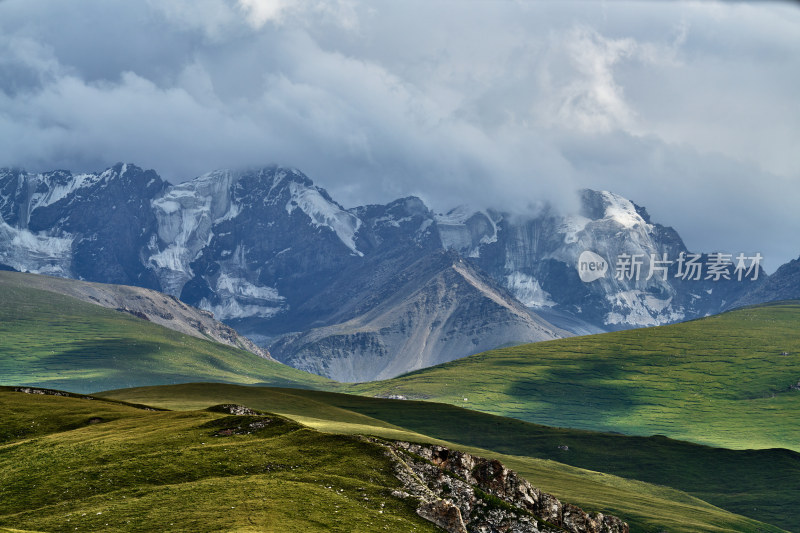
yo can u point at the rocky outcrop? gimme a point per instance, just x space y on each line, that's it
463 493
55 392
46 392
234 409
443 513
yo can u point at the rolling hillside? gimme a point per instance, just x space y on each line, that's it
146 304
718 381
762 485
57 341
729 380
91 465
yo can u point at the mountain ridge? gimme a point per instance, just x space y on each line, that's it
55 340
273 255
439 304
146 304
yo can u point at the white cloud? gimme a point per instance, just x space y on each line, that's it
592 101
213 17
259 12
690 110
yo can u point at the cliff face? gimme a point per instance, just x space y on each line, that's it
462 493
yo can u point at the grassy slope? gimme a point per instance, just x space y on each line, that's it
165 471
55 341
720 381
526 448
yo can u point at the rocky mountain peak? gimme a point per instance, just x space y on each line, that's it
608 206
269 184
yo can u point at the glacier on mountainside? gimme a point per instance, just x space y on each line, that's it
466 231
325 213
528 291
37 253
55 192
186 215
238 298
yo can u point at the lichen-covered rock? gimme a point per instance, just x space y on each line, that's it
444 514
461 492
234 409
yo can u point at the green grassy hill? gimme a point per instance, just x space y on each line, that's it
768 481
721 380
52 340
91 465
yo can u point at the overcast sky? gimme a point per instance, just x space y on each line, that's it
690 109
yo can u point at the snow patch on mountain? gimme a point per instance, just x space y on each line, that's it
172 258
455 237
571 226
465 231
425 226
58 191
324 213
528 291
637 308
240 298
621 210
455 217
232 212
238 287
656 304
232 309
389 220
38 253
489 239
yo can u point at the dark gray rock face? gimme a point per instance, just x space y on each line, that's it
464 493
89 226
257 250
784 284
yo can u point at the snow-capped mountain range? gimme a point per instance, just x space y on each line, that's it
354 294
